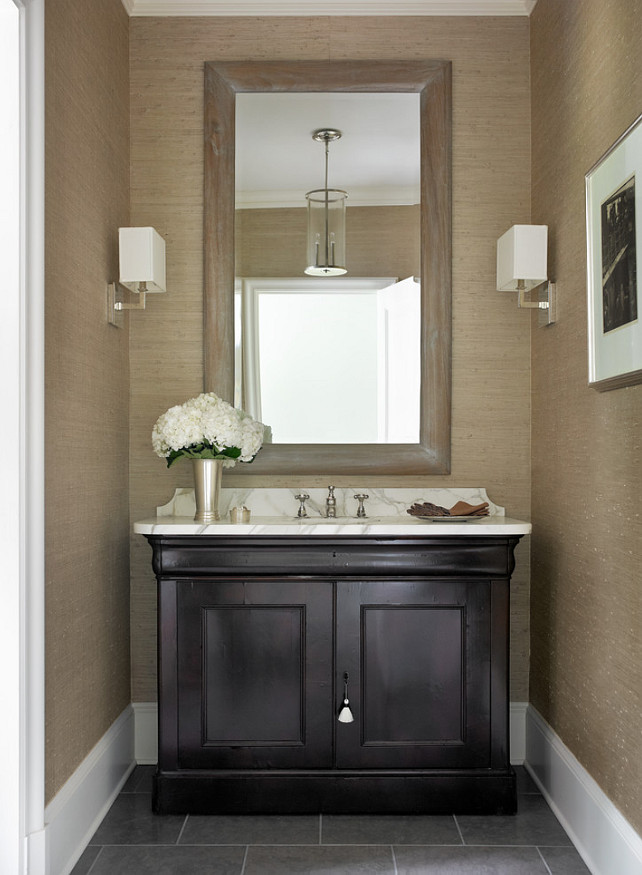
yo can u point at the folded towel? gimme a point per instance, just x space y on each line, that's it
461 508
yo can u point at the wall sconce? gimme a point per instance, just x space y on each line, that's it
141 256
521 266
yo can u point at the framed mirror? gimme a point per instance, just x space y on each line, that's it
431 80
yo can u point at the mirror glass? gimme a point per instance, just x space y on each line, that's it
259 119
328 360
332 360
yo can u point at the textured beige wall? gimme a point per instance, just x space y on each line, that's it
87 380
491 191
586 669
380 241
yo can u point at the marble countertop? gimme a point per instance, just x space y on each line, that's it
375 526
273 512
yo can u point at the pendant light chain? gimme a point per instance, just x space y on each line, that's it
328 259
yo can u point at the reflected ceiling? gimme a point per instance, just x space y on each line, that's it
376 160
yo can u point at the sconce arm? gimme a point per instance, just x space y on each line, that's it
546 301
115 306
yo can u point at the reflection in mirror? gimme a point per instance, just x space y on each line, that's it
330 360
321 372
430 82
376 158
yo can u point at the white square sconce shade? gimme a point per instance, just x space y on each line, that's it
141 255
522 254
521 258
142 259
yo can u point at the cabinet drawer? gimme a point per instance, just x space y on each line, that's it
194 556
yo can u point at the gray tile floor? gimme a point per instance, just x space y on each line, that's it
133 841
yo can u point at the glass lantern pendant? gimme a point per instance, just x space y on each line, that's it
326 221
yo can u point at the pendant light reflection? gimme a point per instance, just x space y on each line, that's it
326 221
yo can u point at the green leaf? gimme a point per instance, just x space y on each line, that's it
203 450
173 457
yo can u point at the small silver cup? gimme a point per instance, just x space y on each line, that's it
240 515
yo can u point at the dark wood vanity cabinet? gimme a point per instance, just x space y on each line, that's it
256 635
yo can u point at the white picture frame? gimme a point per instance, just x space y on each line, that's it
614 257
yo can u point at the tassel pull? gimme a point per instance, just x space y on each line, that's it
345 714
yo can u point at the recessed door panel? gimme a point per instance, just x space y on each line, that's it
413 681
253 675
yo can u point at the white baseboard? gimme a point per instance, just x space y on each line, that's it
146 748
517 731
606 841
146 735
75 812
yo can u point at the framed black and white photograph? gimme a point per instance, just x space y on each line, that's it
614 241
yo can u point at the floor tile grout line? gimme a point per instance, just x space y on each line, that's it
461 835
93 862
241 844
182 830
245 856
394 860
515 845
548 868
347 844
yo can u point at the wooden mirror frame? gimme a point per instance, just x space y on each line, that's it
432 79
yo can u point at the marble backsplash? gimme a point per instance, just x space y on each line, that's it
280 502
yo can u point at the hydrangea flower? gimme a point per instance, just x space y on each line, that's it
206 427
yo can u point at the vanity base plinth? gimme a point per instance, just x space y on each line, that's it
351 792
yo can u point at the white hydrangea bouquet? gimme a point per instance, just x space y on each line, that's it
206 427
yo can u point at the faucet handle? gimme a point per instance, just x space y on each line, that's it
331 503
302 497
361 497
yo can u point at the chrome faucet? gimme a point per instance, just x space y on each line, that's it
331 503
361 497
302 497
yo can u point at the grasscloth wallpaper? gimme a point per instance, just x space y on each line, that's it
491 191
586 662
87 380
380 241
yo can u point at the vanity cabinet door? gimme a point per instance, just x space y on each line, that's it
254 670
418 656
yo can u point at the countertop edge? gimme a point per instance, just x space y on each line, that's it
265 526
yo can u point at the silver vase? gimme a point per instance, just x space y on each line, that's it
207 487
